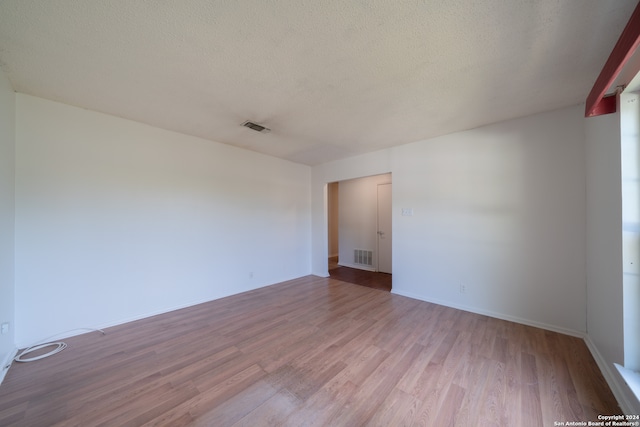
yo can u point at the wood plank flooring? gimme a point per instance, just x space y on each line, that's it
311 352
370 279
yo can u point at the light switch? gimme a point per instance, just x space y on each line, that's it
407 211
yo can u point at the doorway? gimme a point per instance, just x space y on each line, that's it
359 228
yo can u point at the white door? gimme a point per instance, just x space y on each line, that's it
384 228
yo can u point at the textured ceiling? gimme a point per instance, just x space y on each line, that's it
330 78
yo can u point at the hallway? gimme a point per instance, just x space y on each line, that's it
370 279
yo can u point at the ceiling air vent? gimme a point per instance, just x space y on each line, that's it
256 127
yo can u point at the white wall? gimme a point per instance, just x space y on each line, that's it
358 218
499 209
116 220
604 236
7 218
608 269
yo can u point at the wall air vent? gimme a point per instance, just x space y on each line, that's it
256 127
362 257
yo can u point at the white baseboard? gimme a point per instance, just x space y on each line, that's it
105 325
616 383
6 364
494 314
618 387
87 330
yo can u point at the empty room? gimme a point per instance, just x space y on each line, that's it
181 182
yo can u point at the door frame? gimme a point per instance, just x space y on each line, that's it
390 184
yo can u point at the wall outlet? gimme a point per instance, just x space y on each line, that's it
4 328
251 275
463 288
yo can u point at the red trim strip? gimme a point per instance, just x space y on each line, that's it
607 105
624 48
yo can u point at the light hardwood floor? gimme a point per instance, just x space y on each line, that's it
312 351
369 279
